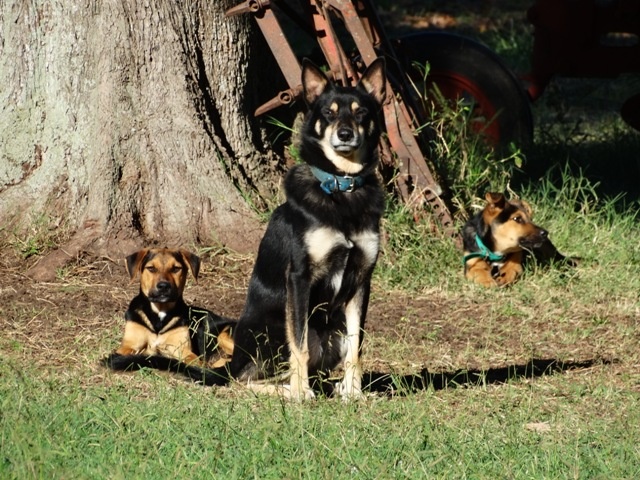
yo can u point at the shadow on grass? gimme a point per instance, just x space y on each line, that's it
406 384
611 166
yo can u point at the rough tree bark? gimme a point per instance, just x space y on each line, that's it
124 123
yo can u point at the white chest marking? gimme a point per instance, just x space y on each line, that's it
321 241
369 242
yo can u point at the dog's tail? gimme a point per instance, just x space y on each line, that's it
207 376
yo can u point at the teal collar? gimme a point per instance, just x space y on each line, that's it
483 253
331 183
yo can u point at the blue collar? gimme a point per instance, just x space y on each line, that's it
484 253
331 183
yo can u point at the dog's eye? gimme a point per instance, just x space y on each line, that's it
361 113
151 269
518 219
329 114
176 269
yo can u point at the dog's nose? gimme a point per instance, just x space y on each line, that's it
345 134
163 287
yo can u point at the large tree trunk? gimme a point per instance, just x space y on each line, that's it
125 123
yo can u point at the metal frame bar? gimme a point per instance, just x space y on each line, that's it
415 182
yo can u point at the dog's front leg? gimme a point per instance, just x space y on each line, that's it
177 344
510 270
350 388
479 271
297 328
135 339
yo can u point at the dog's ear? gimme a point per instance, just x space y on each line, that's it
495 200
192 261
527 208
314 81
134 262
374 80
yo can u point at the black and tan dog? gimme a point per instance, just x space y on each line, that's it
309 290
497 240
161 330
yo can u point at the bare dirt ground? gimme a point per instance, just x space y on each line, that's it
69 324
86 303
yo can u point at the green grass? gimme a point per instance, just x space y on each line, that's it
55 428
61 421
42 236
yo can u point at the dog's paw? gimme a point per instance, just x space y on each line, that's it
348 391
282 390
507 276
486 281
299 387
300 394
480 273
504 281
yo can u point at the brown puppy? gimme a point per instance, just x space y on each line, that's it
496 239
159 324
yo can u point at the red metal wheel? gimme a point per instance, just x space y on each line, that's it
465 69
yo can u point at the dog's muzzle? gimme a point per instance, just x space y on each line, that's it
345 139
163 292
536 240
